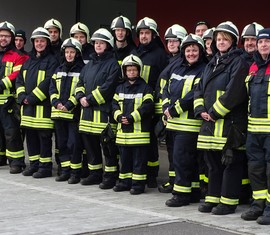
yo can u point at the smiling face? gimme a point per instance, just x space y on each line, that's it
192 53
173 45
100 46
264 47
223 42
250 44
70 54
5 38
40 44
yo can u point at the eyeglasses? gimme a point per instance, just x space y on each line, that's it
132 70
4 36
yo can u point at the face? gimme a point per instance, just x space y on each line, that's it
81 37
250 44
132 72
145 36
264 47
70 54
120 34
54 34
40 44
173 46
19 43
208 46
100 46
222 43
5 38
192 53
200 29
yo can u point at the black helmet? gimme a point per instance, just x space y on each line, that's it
251 30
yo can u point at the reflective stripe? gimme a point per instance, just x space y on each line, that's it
45 159
39 94
116 114
132 138
261 125
9 68
125 176
151 164
138 177
211 142
7 82
94 167
15 155
229 201
56 113
219 125
35 122
20 89
146 72
220 109
34 157
98 97
75 166
171 173
245 181
65 164
212 199
181 189
41 76
259 194
111 169
195 185
162 84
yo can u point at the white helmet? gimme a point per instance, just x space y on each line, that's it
228 27
121 22
54 23
40 32
175 31
251 30
147 23
192 39
72 42
104 35
208 34
131 60
7 26
80 28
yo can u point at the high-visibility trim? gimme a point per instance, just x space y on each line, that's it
178 107
152 164
259 194
80 89
94 167
268 197
65 164
245 181
98 97
212 199
196 81
229 201
139 176
41 76
17 68
147 96
162 84
165 101
132 138
73 100
181 189
20 89
187 85
198 102
111 169
2 153
39 94
171 173
116 114
219 126
7 82
146 73
91 126
34 157
24 74
38 123
125 176
211 142
54 96
195 185
56 113
220 109
206 179
45 159
261 125
15 155
9 68
182 123
136 116
158 107
116 97
75 166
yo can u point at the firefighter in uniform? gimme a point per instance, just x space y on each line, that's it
173 37
133 107
208 38
66 111
80 32
32 85
220 100
95 90
122 32
11 60
155 58
258 145
184 128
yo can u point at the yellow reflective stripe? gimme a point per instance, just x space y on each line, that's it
212 199
17 68
220 109
219 125
181 189
54 96
41 76
20 89
198 102
245 181
156 163
8 68
80 89
65 164
74 83
187 86
56 113
94 167
116 114
17 154
138 177
132 138
24 74
184 124
35 122
258 124
259 194
146 72
116 97
197 80
165 101
111 168
91 127
136 115
75 166
148 96
7 82
171 173
211 142
229 201
178 107
2 153
96 116
39 111
195 185
73 100
268 197
125 176
98 97
38 93
45 159
34 157
162 85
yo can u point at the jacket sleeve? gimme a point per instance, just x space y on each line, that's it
235 92
198 99
20 86
54 94
80 89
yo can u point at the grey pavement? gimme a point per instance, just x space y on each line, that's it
43 206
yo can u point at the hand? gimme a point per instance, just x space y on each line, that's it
25 101
227 157
167 113
207 117
124 120
59 106
84 102
64 108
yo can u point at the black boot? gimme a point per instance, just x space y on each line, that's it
74 179
91 180
62 177
29 172
223 209
15 169
165 188
255 211
207 207
42 174
177 201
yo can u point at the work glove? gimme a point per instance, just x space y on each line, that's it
227 157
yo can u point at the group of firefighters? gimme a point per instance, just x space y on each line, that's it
107 99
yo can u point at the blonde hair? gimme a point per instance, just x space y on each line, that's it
225 35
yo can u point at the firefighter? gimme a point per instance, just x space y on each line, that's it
81 32
95 90
173 37
11 144
132 109
257 145
220 100
184 128
121 29
155 58
66 111
32 85
208 38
